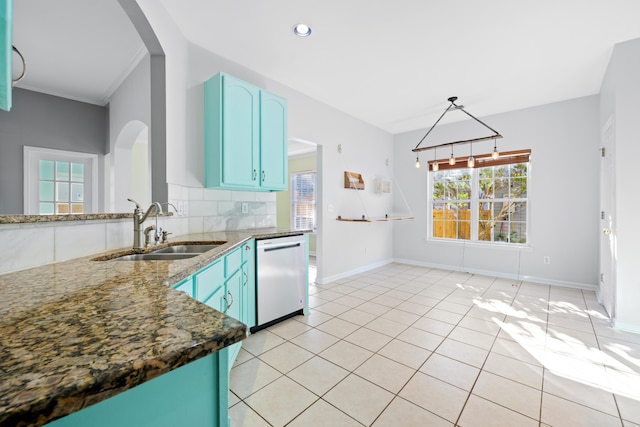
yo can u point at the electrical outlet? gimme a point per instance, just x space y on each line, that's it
180 208
245 208
185 209
546 260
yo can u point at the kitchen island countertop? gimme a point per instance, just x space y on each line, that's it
77 332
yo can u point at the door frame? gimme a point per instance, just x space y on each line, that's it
607 277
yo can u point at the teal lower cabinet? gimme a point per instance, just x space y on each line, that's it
196 394
228 285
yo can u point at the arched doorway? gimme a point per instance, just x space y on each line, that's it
130 167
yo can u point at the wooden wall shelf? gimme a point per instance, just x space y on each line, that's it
376 219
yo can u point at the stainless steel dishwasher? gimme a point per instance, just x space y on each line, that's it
282 279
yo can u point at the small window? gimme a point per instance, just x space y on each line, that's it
303 201
59 182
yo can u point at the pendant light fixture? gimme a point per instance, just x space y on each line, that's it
452 160
434 165
417 161
471 162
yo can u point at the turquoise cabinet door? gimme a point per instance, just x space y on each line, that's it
232 138
6 37
233 296
248 283
217 300
273 142
209 280
234 306
240 124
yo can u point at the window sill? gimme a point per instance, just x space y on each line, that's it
493 245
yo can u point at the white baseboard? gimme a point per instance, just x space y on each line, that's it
544 281
329 279
541 280
627 327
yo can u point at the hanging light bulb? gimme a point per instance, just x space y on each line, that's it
434 165
495 153
452 160
417 161
471 161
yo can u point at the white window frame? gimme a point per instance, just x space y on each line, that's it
293 201
31 168
474 203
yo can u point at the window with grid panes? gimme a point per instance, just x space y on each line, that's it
61 187
59 182
303 201
482 204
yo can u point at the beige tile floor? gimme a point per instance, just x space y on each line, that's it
413 346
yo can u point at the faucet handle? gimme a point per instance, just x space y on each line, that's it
136 203
165 234
158 234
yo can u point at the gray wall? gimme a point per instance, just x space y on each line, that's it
44 121
563 195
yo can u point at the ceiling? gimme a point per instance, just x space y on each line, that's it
76 49
392 64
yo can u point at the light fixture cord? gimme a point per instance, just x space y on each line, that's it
474 118
437 121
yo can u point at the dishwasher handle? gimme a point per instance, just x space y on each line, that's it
285 246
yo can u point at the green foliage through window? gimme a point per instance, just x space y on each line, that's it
486 204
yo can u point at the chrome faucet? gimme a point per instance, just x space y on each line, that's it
140 236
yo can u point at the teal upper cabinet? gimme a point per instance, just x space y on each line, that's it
273 138
6 37
245 136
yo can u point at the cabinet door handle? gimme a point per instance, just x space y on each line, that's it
231 303
255 174
246 278
264 176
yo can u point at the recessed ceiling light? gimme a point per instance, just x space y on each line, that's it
302 30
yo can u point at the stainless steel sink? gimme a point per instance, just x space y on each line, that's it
155 257
186 249
170 253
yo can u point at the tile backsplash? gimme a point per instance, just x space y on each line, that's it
199 210
222 210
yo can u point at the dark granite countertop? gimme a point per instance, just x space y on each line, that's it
78 332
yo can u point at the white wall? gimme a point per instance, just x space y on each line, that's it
620 95
563 195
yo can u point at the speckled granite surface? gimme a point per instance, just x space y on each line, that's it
78 332
30 219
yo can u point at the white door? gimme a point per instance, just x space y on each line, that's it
607 291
